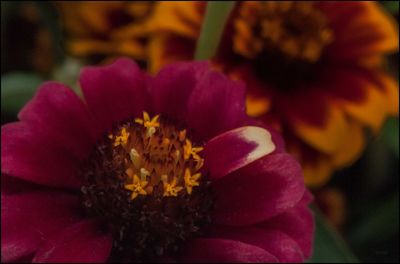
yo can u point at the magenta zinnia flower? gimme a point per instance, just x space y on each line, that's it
149 169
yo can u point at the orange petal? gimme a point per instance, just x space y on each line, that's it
371 30
351 146
166 48
71 18
130 48
333 205
317 174
372 62
156 52
316 171
326 139
94 14
129 31
373 110
392 93
178 17
84 47
257 106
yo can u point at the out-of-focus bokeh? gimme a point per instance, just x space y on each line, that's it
51 41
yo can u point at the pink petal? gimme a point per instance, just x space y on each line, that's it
114 92
13 185
58 116
173 86
306 199
27 155
200 96
54 136
216 105
263 189
223 250
29 219
297 222
236 148
283 247
81 242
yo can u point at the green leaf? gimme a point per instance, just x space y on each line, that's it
391 6
379 223
17 89
329 246
390 134
213 25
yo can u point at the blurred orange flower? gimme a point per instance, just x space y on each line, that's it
98 30
313 69
332 203
30 47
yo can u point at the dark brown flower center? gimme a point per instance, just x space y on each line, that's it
132 12
297 30
144 181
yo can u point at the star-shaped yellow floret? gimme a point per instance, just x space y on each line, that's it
191 180
190 151
149 124
136 187
170 189
122 139
199 164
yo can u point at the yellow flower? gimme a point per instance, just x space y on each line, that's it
190 151
170 189
136 187
191 180
150 123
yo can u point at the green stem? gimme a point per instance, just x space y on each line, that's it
213 25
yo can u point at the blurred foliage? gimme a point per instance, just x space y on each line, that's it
390 134
391 6
17 89
371 186
374 233
329 246
384 217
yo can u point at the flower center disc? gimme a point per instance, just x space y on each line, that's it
144 180
295 29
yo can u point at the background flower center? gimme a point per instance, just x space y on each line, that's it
296 29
